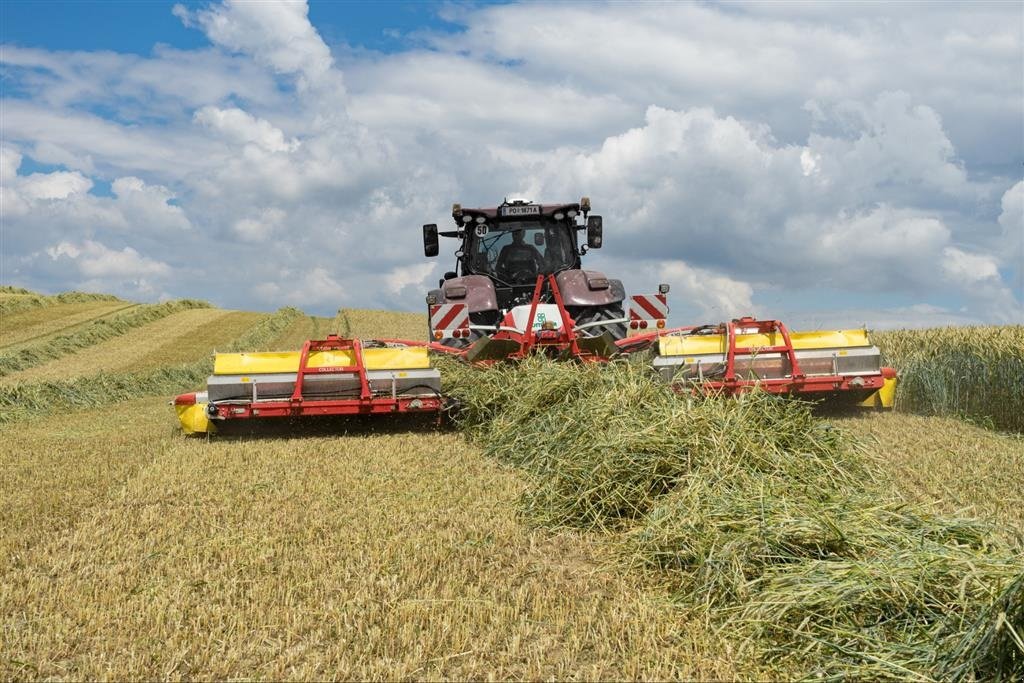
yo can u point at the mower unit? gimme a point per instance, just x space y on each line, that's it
333 376
519 288
733 357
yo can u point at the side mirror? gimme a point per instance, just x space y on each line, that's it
594 232
430 247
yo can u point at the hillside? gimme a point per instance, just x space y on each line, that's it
130 551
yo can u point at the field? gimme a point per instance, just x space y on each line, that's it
361 551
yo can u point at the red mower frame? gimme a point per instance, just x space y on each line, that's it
300 406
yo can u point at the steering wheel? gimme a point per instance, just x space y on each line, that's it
522 275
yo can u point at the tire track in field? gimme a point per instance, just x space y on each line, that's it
65 330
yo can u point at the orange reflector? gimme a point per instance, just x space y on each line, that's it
661 324
438 335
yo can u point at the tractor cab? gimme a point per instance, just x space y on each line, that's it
514 243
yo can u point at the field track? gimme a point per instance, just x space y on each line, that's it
178 338
129 551
390 555
385 324
35 324
296 334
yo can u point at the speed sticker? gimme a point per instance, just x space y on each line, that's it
481 230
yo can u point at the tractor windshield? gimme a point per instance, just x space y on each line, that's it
516 252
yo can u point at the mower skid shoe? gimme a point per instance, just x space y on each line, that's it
489 349
603 346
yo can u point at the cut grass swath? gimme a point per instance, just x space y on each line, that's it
763 517
20 299
25 400
93 333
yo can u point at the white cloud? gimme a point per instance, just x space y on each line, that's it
718 297
240 126
261 227
314 287
970 269
97 261
56 185
758 150
1011 220
10 160
275 33
406 276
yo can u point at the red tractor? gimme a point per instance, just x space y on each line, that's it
504 250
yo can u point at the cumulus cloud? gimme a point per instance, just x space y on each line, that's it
746 154
275 33
261 227
97 261
717 297
316 286
406 276
1011 220
240 126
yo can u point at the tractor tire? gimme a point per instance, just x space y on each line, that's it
590 314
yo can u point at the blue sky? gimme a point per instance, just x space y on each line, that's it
834 164
135 26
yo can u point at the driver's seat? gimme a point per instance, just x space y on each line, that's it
519 263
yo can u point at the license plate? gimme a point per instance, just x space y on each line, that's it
528 210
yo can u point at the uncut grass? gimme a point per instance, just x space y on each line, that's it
360 556
750 508
974 372
32 324
142 347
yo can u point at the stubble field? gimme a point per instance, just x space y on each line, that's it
352 550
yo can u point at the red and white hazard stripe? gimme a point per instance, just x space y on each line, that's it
449 320
648 307
647 311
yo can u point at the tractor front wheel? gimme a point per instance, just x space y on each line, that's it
590 314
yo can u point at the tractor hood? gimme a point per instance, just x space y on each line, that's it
589 288
477 291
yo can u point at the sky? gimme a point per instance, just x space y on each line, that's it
829 164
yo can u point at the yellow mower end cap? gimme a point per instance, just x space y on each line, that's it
193 419
884 397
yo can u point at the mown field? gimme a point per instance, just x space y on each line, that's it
359 551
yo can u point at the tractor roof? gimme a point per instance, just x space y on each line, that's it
505 211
